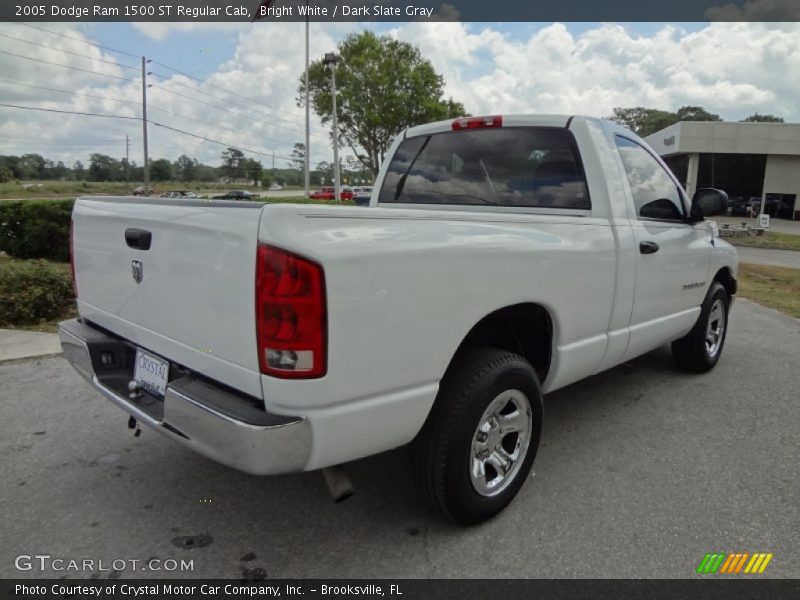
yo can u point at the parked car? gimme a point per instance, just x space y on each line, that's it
275 187
361 195
236 195
740 207
315 336
179 194
139 191
327 193
772 205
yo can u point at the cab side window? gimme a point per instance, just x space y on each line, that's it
655 194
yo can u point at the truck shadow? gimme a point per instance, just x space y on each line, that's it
273 521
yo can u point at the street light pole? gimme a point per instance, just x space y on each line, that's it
144 128
331 59
307 161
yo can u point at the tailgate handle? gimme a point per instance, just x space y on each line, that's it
138 238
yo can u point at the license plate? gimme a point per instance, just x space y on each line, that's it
151 372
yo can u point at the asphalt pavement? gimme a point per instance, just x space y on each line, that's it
766 256
642 471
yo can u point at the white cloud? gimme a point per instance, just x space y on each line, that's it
733 69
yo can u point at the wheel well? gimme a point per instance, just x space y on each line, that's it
727 280
526 329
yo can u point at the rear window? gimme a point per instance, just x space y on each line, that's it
530 167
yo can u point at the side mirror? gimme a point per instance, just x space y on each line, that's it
709 202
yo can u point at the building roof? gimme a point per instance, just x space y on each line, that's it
720 137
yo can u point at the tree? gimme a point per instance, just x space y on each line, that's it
6 174
643 121
252 168
757 118
695 113
78 171
383 86
325 169
232 163
32 166
646 121
57 170
104 168
299 156
161 170
185 168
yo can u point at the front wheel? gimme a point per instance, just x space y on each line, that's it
700 349
479 441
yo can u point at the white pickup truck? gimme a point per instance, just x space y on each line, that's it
500 258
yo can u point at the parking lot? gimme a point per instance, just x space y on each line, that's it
642 471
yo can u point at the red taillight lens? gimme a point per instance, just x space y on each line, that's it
72 257
291 314
477 122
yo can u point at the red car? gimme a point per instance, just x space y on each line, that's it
326 193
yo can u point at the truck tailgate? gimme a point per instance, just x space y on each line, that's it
194 301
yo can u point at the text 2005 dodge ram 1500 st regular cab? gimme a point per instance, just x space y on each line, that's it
500 258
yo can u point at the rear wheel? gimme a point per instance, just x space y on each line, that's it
700 349
479 441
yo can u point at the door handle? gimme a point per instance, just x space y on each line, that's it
648 247
138 238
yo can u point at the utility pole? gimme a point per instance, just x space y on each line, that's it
331 59
127 156
144 127
307 160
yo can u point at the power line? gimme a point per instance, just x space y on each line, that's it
69 37
175 129
231 129
47 62
137 104
61 91
69 112
179 72
200 137
125 53
216 106
225 100
102 60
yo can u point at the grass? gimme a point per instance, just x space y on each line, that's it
771 240
70 189
776 287
47 325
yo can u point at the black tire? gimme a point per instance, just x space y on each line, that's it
692 352
444 451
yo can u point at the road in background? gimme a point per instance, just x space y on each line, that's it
765 256
642 471
779 225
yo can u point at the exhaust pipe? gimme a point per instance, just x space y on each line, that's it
339 484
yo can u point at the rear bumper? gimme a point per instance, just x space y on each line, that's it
209 418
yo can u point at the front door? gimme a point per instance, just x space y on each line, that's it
672 261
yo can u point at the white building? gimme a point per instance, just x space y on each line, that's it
744 159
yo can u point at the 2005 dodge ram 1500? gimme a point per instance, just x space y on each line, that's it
500 258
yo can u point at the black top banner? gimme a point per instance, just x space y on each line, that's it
401 10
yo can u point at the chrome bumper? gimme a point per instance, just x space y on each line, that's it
215 421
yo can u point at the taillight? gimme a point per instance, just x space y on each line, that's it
291 315
477 122
72 257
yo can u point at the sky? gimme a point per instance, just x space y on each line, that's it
251 74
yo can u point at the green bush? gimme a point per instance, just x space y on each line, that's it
36 228
32 291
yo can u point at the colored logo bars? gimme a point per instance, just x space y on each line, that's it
734 563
